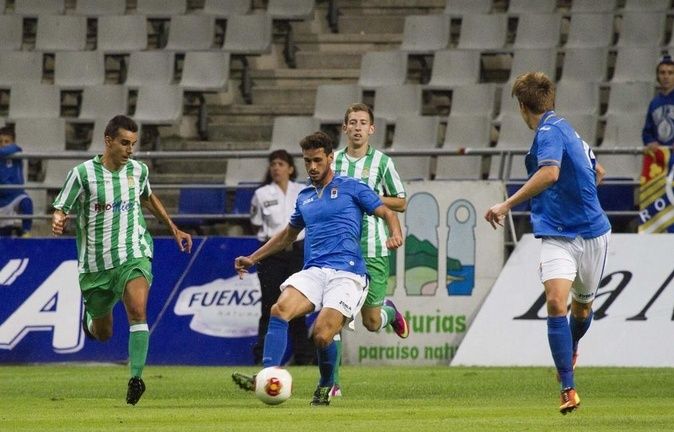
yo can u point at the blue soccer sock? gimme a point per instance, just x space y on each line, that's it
327 358
579 328
275 342
559 338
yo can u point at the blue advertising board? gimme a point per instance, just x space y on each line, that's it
199 311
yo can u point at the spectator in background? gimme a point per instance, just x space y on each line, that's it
272 205
12 201
659 127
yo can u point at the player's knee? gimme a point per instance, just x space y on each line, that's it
323 337
279 310
136 314
556 307
371 323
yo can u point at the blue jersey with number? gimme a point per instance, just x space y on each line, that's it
332 217
569 207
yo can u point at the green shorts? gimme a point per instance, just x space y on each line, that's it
102 290
378 270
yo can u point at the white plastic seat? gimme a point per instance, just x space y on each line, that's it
11 32
642 29
161 8
103 102
205 71
527 60
622 131
191 32
395 101
646 5
39 7
577 97
40 135
20 67
635 64
414 133
225 8
463 131
585 64
332 100
593 6
97 8
514 134
531 6
244 170
425 34
538 31
461 7
474 99
77 69
98 135
290 9
288 131
61 33
480 31
590 30
159 104
382 68
584 124
630 98
248 34
149 67
454 68
57 169
119 34
377 140
34 101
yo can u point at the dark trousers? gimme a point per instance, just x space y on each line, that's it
272 272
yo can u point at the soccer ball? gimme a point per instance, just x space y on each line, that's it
273 385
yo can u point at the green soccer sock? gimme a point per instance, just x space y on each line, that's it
338 344
139 340
388 314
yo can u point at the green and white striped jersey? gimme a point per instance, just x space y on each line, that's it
111 228
378 171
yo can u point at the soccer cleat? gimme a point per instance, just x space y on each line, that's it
85 328
335 391
245 382
135 390
574 359
399 323
321 396
570 401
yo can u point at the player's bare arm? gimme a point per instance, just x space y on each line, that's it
58 222
395 203
277 243
395 239
155 206
541 180
600 173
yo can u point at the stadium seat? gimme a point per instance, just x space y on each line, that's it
414 133
635 64
34 101
394 101
151 67
642 29
288 131
11 32
98 135
514 134
245 170
538 30
383 68
225 8
290 9
524 7
585 124
454 68
159 104
243 196
484 32
35 8
461 7
646 5
56 171
200 201
623 130
425 34
205 71
41 135
161 8
621 165
463 131
61 33
331 100
577 97
76 69
121 34
248 34
590 30
473 99
593 6
585 64
526 60
191 32
20 67
103 102
630 98
377 140
98 8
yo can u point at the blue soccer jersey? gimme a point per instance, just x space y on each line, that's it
331 217
569 207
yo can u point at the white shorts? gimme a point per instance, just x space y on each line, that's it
11 209
579 260
335 289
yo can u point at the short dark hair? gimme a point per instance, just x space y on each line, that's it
317 140
358 107
284 156
120 122
8 131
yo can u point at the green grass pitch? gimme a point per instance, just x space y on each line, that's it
91 398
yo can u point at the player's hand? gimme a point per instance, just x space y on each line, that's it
184 240
242 264
394 242
58 222
496 214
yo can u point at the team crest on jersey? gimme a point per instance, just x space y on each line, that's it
365 173
132 182
333 193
